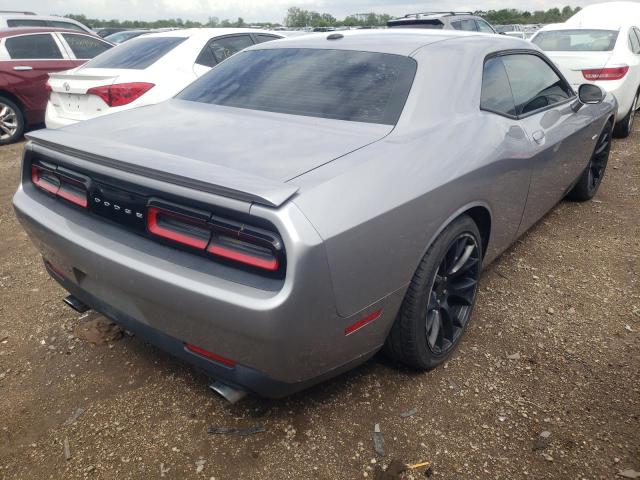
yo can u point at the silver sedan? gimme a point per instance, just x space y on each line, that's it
313 200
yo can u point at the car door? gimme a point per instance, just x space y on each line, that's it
558 132
31 58
218 49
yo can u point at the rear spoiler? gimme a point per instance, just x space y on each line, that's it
163 167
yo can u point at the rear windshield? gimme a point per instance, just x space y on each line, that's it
338 84
430 24
576 40
136 54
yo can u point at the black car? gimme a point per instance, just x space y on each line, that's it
443 21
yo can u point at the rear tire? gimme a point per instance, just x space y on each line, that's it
440 298
625 126
11 122
592 176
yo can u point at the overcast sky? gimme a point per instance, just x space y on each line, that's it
260 10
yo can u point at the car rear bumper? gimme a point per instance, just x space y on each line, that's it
281 340
57 122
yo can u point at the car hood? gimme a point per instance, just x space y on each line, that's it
239 153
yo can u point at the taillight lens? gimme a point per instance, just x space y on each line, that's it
48 88
178 228
614 73
219 237
60 183
121 93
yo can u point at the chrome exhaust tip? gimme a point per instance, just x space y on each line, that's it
230 393
76 304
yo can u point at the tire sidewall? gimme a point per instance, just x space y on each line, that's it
431 263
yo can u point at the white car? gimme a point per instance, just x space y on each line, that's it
608 56
610 12
142 71
12 19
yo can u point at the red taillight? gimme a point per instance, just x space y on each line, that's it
362 322
210 355
59 184
219 237
74 193
48 88
45 179
248 259
178 228
614 73
121 93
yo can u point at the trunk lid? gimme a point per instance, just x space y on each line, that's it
571 64
244 154
69 91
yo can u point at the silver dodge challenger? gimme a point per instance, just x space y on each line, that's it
311 201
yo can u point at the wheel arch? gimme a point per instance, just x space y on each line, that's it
13 98
480 213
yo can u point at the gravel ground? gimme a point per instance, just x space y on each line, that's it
552 349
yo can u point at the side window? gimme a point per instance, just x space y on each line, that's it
261 38
69 25
24 47
637 32
468 25
484 27
223 48
534 83
26 23
206 57
496 92
634 43
84 46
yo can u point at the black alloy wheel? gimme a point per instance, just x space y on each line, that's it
439 300
599 160
452 294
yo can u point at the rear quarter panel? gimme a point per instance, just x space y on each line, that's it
381 207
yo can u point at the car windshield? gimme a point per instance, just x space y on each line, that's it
576 40
337 84
136 54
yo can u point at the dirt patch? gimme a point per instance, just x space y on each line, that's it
98 330
545 385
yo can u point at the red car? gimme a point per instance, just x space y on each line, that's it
27 55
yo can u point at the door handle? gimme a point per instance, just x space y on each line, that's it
538 137
22 68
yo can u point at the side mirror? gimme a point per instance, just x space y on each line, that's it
590 94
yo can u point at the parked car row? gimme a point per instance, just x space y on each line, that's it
309 201
600 45
143 71
27 56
